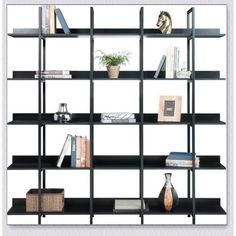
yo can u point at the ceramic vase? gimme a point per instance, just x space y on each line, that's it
168 196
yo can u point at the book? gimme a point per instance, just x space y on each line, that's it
45 19
172 62
83 152
62 21
181 159
87 159
73 151
49 76
64 150
128 204
54 72
160 67
52 19
131 120
78 151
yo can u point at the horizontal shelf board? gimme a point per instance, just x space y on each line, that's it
200 118
204 206
208 162
72 206
76 206
184 33
124 75
176 33
83 119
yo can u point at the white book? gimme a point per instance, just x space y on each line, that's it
168 63
176 61
64 150
45 19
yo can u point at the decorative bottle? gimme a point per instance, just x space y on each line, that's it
62 115
168 197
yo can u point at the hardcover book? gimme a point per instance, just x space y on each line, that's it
62 21
128 205
73 151
64 150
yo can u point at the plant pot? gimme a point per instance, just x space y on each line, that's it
113 72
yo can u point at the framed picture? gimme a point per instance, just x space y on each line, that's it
170 108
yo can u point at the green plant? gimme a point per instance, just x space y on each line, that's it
113 59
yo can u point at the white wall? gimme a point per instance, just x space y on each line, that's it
151 90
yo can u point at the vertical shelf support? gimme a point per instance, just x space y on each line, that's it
141 110
39 115
192 38
91 113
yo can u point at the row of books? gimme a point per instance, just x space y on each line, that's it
61 74
182 159
169 65
118 117
49 14
80 151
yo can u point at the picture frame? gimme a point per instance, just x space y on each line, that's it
169 109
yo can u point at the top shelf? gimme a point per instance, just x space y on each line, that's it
149 33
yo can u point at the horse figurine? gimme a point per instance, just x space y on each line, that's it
164 22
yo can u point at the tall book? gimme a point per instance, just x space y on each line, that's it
73 151
62 21
64 150
87 159
172 62
78 151
83 152
52 19
45 19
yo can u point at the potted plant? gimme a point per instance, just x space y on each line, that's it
113 61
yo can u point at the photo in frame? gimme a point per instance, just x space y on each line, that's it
170 108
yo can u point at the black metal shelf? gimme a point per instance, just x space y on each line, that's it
105 206
84 119
124 75
151 33
30 162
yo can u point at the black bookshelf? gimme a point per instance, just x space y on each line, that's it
92 206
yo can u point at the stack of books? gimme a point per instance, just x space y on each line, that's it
50 74
118 117
80 151
182 159
172 62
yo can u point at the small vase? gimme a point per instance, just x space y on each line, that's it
113 72
62 115
168 197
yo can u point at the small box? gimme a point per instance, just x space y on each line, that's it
52 200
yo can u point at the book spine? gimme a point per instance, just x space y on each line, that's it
46 19
52 19
54 76
73 151
168 63
78 152
54 72
64 150
182 163
83 152
87 159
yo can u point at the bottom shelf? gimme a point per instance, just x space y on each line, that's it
81 206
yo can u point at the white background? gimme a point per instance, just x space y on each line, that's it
73 54
147 111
